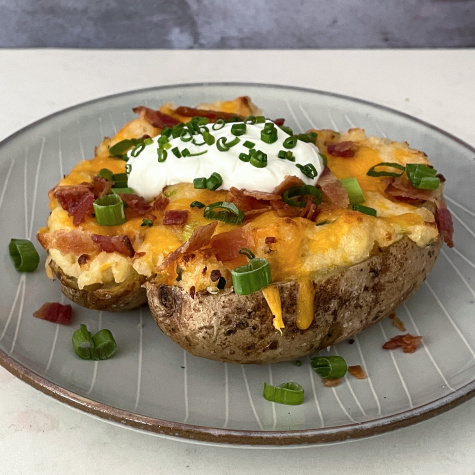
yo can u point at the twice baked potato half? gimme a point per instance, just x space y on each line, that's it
250 243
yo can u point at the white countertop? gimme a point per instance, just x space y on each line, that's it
40 435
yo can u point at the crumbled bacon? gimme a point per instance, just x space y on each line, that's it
155 117
407 342
344 149
270 240
175 216
333 191
397 322
331 383
289 182
161 202
136 205
99 186
201 237
357 372
226 246
77 200
120 244
444 221
83 258
311 210
401 188
244 202
55 312
284 210
209 114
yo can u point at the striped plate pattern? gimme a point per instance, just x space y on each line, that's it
151 383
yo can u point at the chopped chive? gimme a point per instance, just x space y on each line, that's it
238 129
308 170
161 155
199 183
364 209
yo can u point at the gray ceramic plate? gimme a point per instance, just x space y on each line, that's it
151 384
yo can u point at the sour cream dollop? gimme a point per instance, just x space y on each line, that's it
148 176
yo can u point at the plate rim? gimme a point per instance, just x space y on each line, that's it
219 436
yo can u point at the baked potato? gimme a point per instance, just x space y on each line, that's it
267 255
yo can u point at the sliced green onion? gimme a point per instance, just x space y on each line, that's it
162 140
301 190
186 135
101 346
176 152
223 145
120 180
258 158
208 138
161 155
245 157
214 181
188 229
291 393
24 255
290 142
225 212
197 204
269 133
199 183
219 124
287 155
246 252
118 149
324 158
179 273
365 209
128 168
286 129
373 172
331 367
105 173
355 194
109 210
321 223
248 144
250 119
311 137
148 141
137 150
308 170
238 129
252 277
147 222
422 177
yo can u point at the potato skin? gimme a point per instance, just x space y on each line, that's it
238 328
114 298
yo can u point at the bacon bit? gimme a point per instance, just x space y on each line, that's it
310 211
161 202
270 240
192 291
55 312
408 342
279 122
443 218
156 118
243 201
284 210
344 149
226 246
68 242
397 322
213 116
138 255
77 200
333 191
331 383
262 195
99 186
83 258
136 205
215 275
289 182
402 189
120 244
175 216
357 372
201 237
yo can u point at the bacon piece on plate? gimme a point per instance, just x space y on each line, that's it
357 372
407 342
226 246
344 149
54 312
155 117
333 191
120 244
175 216
201 237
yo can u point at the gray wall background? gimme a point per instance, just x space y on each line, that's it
223 24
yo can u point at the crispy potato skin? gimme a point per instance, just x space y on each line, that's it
235 328
114 298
